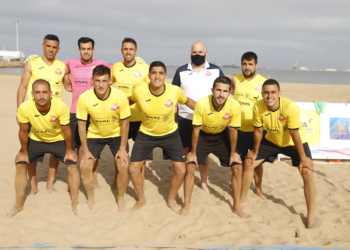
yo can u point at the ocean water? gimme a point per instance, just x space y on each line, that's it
282 76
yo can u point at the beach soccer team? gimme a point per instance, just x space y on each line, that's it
188 119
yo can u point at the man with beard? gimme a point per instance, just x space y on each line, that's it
195 79
80 81
212 116
247 91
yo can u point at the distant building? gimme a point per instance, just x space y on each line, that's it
303 68
11 55
331 70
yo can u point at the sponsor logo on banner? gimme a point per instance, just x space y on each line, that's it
339 128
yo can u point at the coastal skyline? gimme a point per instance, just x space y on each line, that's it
314 32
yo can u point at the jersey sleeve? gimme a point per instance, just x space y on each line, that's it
63 115
235 121
182 97
82 111
198 115
124 107
22 115
257 122
293 118
176 79
112 72
133 96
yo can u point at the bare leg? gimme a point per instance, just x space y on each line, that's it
86 176
73 183
188 188
236 183
175 184
32 178
95 171
20 186
247 179
203 170
137 182
122 182
310 196
258 175
53 165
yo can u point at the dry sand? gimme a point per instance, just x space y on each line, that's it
47 218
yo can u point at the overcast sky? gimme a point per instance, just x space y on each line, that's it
316 32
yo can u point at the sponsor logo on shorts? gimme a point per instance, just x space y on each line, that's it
53 119
208 73
115 107
169 103
58 72
227 116
282 118
137 74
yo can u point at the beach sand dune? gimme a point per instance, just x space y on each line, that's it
48 219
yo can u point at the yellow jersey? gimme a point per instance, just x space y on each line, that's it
213 121
279 122
45 127
105 115
54 74
247 93
158 111
127 78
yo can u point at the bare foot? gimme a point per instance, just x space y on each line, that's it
260 194
96 185
312 223
138 205
240 212
51 189
205 188
90 203
34 191
243 204
121 205
14 211
184 211
173 206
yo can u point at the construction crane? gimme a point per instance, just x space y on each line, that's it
295 64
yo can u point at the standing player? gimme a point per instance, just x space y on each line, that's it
195 79
109 112
80 75
49 133
247 91
55 72
158 129
285 136
210 134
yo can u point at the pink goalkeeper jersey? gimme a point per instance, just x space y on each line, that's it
80 75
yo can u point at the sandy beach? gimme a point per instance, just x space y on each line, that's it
47 218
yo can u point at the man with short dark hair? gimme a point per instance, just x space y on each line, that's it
281 117
195 79
247 91
107 110
49 133
80 81
46 67
212 116
158 129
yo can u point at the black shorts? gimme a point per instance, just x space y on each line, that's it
217 144
144 145
75 131
134 127
269 152
37 150
245 142
96 145
185 131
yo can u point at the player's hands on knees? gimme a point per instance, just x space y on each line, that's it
251 156
306 162
191 158
235 158
85 157
122 154
70 155
22 157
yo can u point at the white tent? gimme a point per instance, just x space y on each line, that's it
11 55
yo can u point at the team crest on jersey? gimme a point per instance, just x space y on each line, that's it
281 118
208 73
58 72
53 119
258 88
137 74
114 107
169 103
226 116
